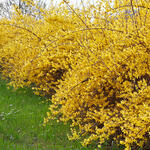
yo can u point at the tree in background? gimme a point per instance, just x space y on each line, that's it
32 8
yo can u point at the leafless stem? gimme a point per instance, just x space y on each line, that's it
13 25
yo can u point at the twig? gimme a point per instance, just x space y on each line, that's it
13 25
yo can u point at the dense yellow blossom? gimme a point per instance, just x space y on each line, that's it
94 61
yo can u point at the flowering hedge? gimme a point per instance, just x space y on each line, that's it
95 63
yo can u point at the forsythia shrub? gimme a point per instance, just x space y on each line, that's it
97 62
38 52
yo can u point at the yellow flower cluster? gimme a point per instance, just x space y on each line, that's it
94 61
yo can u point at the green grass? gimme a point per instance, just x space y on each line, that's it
21 119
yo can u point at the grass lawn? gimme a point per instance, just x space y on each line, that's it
21 118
